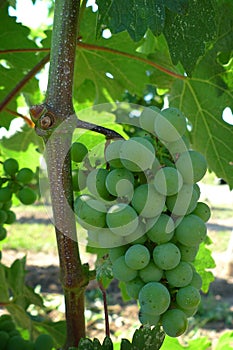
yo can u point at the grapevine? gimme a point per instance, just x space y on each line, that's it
142 205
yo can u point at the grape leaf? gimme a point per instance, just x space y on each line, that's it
203 99
147 338
225 342
136 16
188 35
202 343
15 65
202 263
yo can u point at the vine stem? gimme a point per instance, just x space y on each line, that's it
73 275
103 291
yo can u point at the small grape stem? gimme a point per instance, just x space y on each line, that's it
104 294
109 134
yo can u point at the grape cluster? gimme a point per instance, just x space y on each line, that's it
11 339
14 181
143 206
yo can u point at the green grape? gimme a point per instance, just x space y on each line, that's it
154 298
138 235
137 257
11 217
29 345
161 229
5 194
4 337
192 166
180 276
119 183
148 319
151 273
91 213
6 205
122 271
44 341
112 153
196 280
133 287
188 297
203 211
14 333
168 181
189 312
11 166
96 184
5 317
184 202
25 175
188 254
137 154
191 231
3 216
177 147
7 326
108 239
122 219
79 180
197 190
147 118
27 196
174 322
166 256
116 252
170 125
147 201
3 233
78 152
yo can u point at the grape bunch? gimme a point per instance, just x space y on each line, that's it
143 206
14 181
11 339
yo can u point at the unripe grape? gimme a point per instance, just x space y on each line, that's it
168 181
203 211
137 257
138 236
27 196
191 231
122 219
96 184
44 341
180 276
112 154
90 212
188 254
188 297
161 229
4 337
196 281
137 154
184 202
147 201
11 166
154 298
25 175
3 233
78 152
122 271
170 125
108 239
115 253
151 273
79 180
177 147
5 194
166 256
6 205
192 166
147 118
148 319
133 287
174 322
16 342
3 216
119 182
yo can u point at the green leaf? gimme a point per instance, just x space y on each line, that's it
16 275
107 344
225 341
188 35
15 65
172 343
125 345
56 329
202 263
124 293
4 293
85 344
136 16
147 339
